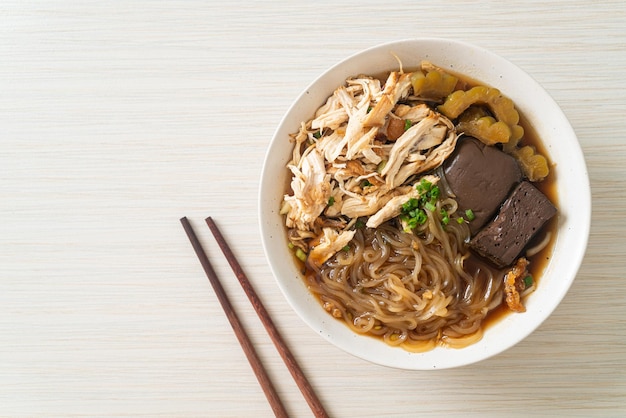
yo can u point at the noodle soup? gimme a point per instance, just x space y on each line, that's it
553 269
385 239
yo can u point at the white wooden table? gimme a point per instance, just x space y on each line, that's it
118 118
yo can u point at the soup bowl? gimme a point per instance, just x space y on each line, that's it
541 113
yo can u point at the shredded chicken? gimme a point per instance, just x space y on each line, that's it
396 87
345 167
311 191
414 152
392 208
330 243
514 284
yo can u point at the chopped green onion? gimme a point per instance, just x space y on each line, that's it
301 254
410 204
407 124
421 217
413 210
346 248
331 201
528 281
366 183
291 246
445 218
470 215
317 135
424 186
359 224
460 220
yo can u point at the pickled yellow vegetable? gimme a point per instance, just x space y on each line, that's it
517 132
433 85
534 166
511 146
477 123
501 106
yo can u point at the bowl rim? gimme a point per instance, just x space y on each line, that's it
439 358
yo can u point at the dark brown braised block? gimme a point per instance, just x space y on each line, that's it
521 216
481 177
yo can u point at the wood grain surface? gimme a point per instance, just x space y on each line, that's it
118 118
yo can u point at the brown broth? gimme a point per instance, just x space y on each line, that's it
539 261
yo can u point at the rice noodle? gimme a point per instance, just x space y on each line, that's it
540 246
410 289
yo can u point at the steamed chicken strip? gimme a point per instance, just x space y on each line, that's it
393 207
396 87
408 142
329 244
432 161
311 190
357 206
331 115
420 148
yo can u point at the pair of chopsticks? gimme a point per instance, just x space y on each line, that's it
244 340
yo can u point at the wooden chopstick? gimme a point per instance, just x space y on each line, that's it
261 375
283 350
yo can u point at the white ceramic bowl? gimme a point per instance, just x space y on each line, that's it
552 127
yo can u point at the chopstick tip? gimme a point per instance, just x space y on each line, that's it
211 223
